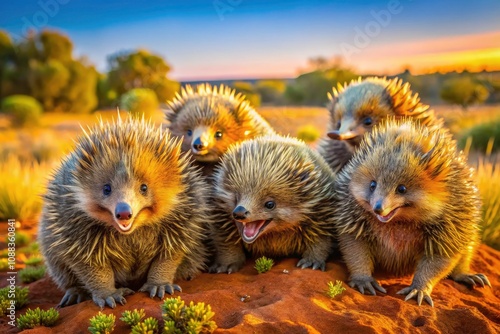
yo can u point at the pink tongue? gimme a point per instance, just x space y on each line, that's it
252 228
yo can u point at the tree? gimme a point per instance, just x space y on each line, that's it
42 66
140 69
271 91
248 90
464 91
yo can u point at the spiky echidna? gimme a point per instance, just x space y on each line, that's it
273 197
124 209
357 107
409 204
210 119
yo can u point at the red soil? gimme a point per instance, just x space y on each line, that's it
295 302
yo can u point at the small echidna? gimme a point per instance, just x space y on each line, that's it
357 107
273 198
125 209
409 204
210 119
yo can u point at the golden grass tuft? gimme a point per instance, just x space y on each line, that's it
488 179
21 187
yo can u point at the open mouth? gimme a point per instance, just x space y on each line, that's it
125 229
388 217
250 231
203 152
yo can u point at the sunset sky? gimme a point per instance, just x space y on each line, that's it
224 39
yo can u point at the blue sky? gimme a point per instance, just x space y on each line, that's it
255 38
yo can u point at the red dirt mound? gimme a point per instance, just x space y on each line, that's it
295 302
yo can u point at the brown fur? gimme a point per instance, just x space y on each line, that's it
374 98
430 228
297 180
205 113
88 249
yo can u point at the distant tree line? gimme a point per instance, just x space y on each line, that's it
42 67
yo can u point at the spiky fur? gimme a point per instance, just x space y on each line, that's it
300 182
377 98
434 233
88 255
217 108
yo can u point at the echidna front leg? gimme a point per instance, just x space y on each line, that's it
161 276
230 258
100 281
429 271
358 259
316 254
461 273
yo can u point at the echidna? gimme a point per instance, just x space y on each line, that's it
408 204
273 197
210 119
124 208
355 108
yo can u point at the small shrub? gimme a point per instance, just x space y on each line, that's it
334 289
488 179
485 137
132 318
22 239
140 101
31 274
21 298
24 109
308 133
180 318
148 326
32 249
102 323
33 260
263 264
38 317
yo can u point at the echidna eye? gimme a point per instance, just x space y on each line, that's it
218 134
189 133
367 121
373 185
144 189
106 190
270 205
401 189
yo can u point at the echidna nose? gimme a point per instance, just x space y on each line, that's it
378 208
240 212
198 144
123 211
334 135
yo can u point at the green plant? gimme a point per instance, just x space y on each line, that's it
38 317
31 274
148 326
102 323
180 318
33 260
263 264
464 91
20 298
24 109
132 318
21 239
139 102
485 137
488 178
308 133
32 249
334 289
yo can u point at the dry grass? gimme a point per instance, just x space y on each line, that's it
488 181
21 186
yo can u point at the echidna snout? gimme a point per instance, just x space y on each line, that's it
240 213
123 211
